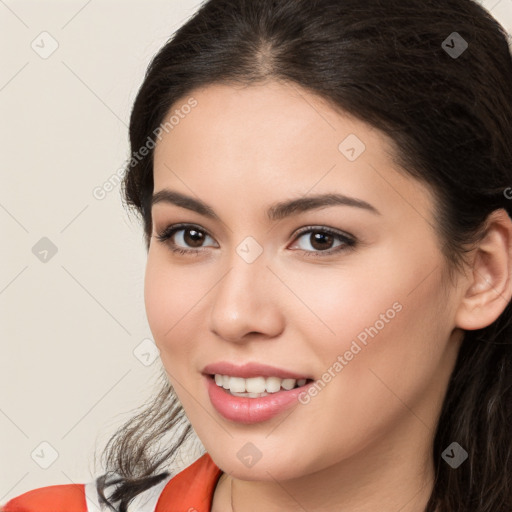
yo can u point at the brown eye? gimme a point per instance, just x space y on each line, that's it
323 241
193 237
184 238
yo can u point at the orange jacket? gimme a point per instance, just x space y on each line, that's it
191 490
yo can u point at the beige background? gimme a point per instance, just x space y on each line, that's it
72 329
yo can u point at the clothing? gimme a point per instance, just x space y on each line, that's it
191 490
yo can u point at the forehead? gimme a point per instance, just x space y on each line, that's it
260 119
275 138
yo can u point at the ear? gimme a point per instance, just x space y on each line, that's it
488 287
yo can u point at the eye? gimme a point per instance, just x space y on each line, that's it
189 239
188 235
322 240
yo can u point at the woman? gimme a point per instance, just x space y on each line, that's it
324 187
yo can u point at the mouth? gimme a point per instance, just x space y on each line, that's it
253 392
262 398
256 387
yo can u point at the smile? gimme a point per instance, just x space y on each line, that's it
255 387
253 407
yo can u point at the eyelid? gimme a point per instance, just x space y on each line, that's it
172 229
348 240
326 229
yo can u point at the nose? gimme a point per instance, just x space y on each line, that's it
245 303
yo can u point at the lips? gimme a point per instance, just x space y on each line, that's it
249 370
248 410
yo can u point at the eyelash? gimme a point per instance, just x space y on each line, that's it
349 242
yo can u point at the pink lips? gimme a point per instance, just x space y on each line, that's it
251 410
249 370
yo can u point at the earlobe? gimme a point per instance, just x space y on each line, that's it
488 287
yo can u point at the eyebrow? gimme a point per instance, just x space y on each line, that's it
276 211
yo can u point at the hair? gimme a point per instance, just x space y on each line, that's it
449 119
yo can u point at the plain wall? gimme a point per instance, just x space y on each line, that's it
72 323
69 325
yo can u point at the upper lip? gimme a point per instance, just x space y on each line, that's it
249 370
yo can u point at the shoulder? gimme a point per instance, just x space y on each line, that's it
192 488
53 498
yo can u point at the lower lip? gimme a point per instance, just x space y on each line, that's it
251 410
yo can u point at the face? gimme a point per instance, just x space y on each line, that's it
347 294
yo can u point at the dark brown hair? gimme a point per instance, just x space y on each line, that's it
450 119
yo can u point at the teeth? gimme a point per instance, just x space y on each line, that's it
256 386
288 383
273 384
252 385
236 384
250 395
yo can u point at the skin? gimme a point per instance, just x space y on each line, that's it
364 442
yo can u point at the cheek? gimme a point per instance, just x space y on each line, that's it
169 296
376 372
395 329
393 350
334 307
